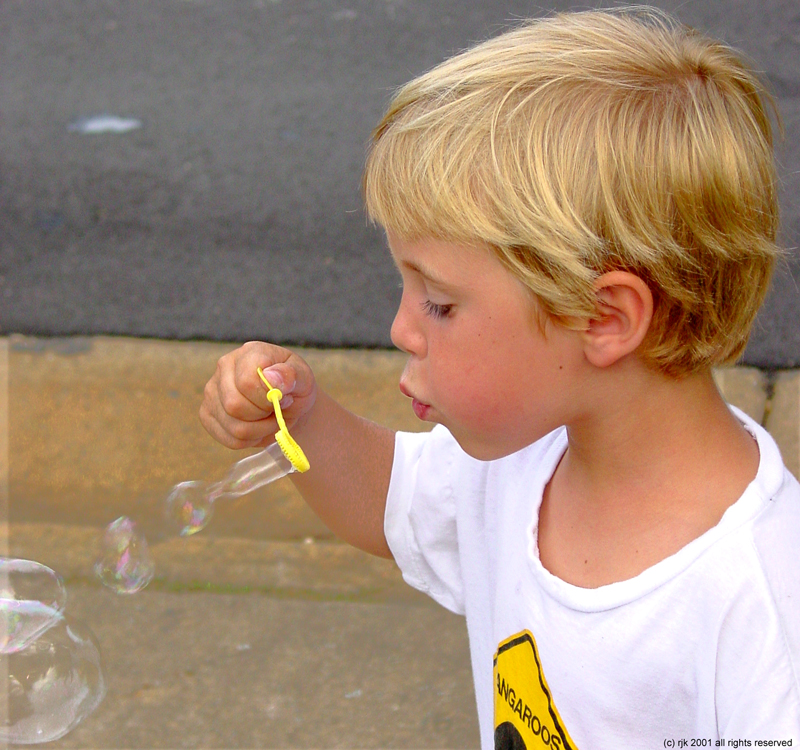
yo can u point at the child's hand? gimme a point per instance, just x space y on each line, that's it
235 410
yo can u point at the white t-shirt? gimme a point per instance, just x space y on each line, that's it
702 646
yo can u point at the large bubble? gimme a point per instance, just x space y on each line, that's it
31 597
51 684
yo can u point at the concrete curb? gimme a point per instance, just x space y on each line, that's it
102 427
310 570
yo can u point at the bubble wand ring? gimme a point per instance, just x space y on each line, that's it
285 441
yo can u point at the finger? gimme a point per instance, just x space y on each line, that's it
291 377
246 378
248 432
224 435
231 430
240 400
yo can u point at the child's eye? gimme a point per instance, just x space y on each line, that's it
436 311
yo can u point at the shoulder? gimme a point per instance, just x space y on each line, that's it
439 439
758 643
764 574
776 541
775 529
425 456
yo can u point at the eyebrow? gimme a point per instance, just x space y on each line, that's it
427 274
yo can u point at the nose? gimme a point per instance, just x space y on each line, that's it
406 333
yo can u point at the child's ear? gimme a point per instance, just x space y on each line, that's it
625 309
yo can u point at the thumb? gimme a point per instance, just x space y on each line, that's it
278 377
292 376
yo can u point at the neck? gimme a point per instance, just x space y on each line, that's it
653 469
656 440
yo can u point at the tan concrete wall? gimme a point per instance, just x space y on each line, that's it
104 426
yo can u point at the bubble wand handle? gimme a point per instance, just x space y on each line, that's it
285 441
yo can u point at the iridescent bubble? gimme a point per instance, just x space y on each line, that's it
51 684
189 507
190 504
31 596
125 564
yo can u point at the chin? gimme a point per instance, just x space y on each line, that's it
480 451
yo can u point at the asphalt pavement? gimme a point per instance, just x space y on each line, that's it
224 203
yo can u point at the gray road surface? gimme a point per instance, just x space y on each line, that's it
234 211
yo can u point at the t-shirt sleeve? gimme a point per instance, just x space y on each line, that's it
420 523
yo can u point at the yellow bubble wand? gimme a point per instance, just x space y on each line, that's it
285 441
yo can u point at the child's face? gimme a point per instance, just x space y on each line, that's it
479 363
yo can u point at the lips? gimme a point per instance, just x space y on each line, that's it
420 408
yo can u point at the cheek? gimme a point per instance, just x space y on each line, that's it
468 394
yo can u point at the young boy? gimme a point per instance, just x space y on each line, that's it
583 212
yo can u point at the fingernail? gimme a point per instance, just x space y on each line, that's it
274 379
286 402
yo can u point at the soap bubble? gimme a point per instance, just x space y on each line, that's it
125 564
189 507
190 504
31 596
51 684
52 665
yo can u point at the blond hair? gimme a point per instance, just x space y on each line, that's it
589 142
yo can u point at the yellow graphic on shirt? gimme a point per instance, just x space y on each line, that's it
525 717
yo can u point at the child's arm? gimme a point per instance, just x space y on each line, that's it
350 457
